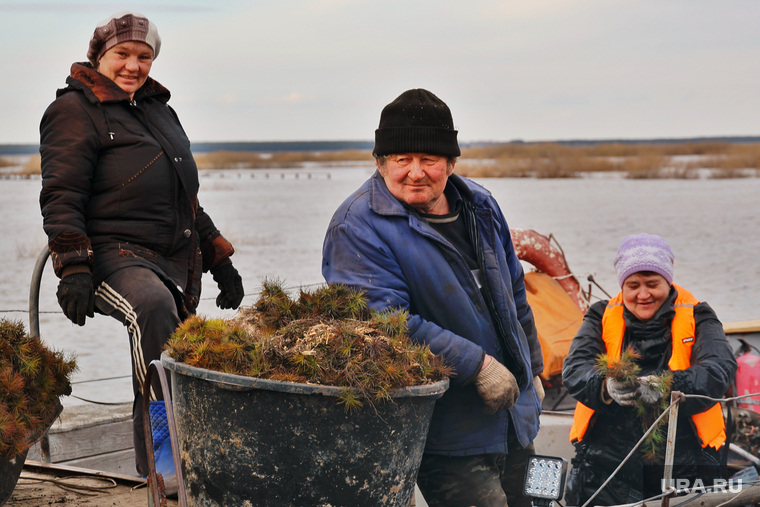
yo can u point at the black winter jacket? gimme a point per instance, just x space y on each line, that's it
614 430
120 185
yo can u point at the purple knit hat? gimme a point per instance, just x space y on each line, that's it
121 27
644 252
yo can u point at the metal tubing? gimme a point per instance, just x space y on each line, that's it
155 366
34 328
670 448
34 292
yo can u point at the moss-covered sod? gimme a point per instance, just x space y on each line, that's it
327 336
32 378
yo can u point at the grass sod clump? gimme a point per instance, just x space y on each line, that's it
327 336
32 378
625 369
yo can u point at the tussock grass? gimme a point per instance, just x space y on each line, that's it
327 336
32 379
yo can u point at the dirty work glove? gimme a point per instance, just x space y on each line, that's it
497 386
624 393
650 390
77 297
539 388
230 286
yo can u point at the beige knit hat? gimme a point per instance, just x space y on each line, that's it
121 27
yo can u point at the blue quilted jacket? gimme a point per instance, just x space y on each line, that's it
376 244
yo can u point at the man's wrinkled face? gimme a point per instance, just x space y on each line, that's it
418 179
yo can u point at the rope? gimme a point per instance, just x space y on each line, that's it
80 489
258 293
212 298
101 379
27 311
650 430
101 402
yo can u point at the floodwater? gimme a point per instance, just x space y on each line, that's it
277 220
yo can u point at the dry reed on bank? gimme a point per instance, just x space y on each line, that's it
32 166
285 159
636 161
517 160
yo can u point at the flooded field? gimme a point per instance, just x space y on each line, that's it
277 220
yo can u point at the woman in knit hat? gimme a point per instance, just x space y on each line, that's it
671 332
418 237
119 202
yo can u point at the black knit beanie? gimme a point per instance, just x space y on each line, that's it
416 122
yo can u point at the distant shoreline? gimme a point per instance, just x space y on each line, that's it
298 146
639 160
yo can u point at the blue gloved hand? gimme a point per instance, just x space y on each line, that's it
76 296
230 286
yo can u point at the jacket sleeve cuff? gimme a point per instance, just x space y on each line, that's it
474 374
74 269
216 250
70 249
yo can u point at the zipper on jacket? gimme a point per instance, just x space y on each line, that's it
511 358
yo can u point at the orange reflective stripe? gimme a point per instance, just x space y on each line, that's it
709 424
613 327
581 418
682 330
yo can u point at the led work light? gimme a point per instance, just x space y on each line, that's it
545 479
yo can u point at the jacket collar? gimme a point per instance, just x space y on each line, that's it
98 88
382 202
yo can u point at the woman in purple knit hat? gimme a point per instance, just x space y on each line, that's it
670 330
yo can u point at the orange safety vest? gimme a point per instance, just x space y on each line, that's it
709 424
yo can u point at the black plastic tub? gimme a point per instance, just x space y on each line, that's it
249 441
10 470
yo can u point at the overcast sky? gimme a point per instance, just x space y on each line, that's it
261 70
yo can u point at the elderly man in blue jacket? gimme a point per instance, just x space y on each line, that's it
416 236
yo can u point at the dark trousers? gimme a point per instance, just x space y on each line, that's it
140 300
483 480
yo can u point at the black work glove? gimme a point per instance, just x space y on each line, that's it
77 297
230 286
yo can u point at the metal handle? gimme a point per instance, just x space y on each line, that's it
155 366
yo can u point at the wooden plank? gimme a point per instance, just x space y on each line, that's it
747 326
86 441
121 462
74 470
88 430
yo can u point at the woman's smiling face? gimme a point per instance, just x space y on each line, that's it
644 293
127 64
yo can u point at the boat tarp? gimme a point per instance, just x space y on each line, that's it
557 319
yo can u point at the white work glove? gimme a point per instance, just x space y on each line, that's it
624 393
497 386
539 388
648 390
